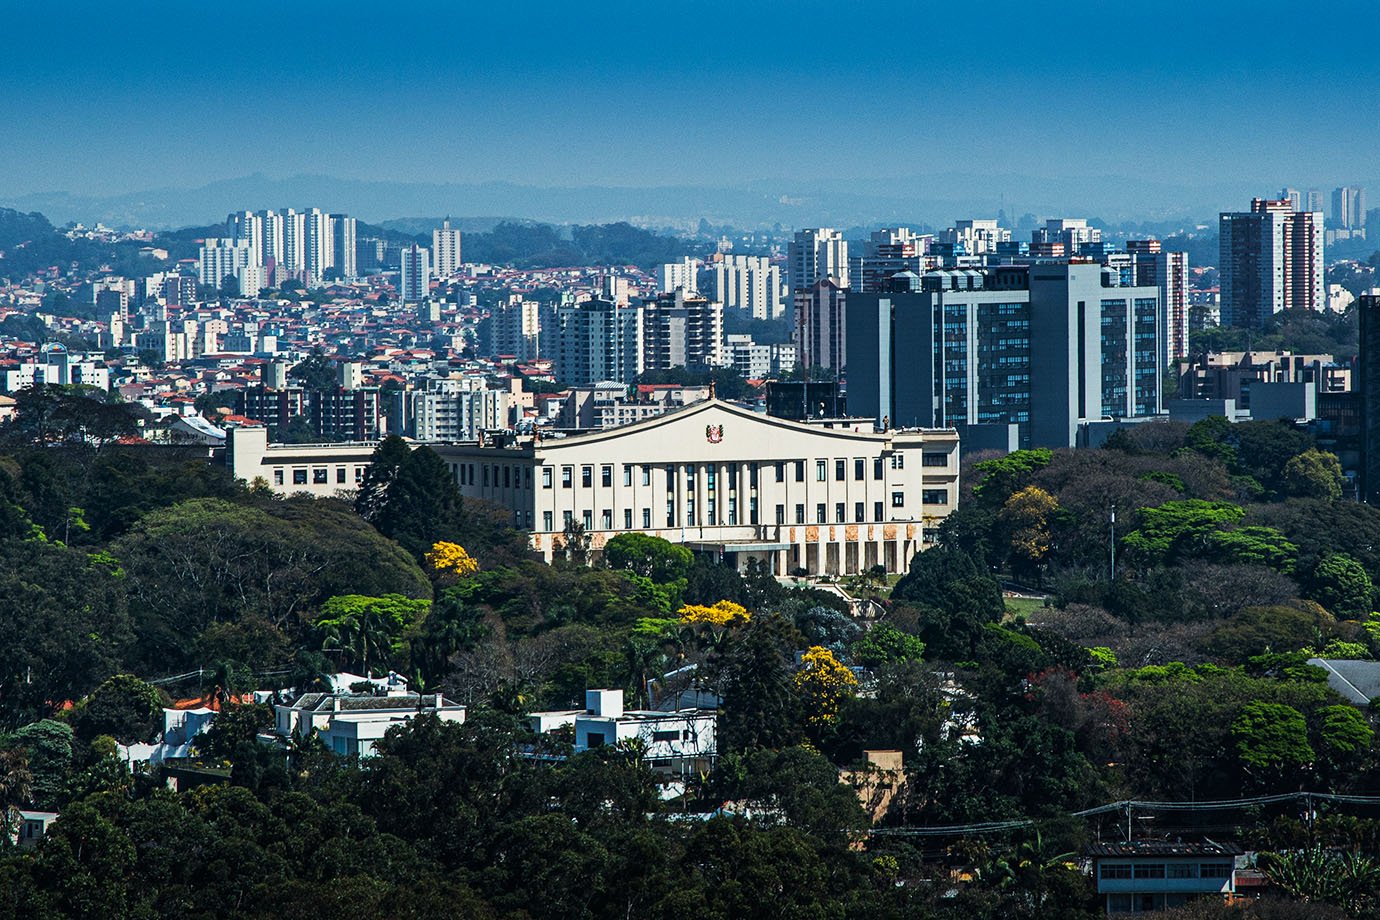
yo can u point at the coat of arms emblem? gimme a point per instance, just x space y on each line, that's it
713 433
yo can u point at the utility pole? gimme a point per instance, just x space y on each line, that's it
1111 542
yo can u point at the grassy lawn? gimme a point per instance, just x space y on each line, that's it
1016 606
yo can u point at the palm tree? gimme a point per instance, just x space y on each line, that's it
1346 879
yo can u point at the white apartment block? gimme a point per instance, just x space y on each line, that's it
55 365
727 481
817 254
445 249
682 275
748 283
222 258
975 237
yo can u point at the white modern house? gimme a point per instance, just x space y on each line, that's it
180 730
352 723
674 742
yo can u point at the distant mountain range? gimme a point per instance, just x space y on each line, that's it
934 200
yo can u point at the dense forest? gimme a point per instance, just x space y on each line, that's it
1183 677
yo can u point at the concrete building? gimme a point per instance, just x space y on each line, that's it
1143 876
223 258
887 252
344 230
319 245
974 237
445 248
514 329
1368 386
55 365
748 283
1349 208
682 276
1167 271
598 340
1271 260
449 410
333 414
817 254
352 724
682 330
676 743
414 286
1046 347
1073 233
730 482
820 333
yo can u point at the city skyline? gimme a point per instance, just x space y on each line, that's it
614 88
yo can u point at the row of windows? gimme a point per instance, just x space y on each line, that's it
494 475
1209 870
317 476
898 500
606 476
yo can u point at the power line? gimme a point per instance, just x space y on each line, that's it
1125 805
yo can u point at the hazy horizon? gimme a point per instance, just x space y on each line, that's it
106 103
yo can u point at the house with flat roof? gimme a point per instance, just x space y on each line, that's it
674 742
1141 876
352 724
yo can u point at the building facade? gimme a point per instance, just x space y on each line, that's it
414 284
445 248
748 283
1167 271
820 333
598 340
727 481
888 252
682 330
1046 347
817 254
1271 260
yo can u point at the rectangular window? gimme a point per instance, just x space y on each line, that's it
898 461
712 511
670 479
859 468
932 459
690 511
780 471
898 499
1114 870
859 509
666 736
800 514
359 474
752 475
606 519
646 517
587 477
567 476
299 477
546 521
689 476
752 510
840 470
1182 870
507 477
567 518
646 475
1150 870
627 519
627 475
670 514
587 519
340 475
780 514
1215 870
838 513
935 496
277 477
527 476
710 477
820 517
800 471
732 511
320 477
878 512
546 477
877 468
820 468
606 476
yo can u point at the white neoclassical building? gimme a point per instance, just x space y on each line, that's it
826 498
725 480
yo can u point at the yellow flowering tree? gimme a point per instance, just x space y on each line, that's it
450 562
723 613
823 683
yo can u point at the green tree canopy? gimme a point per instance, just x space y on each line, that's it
1271 736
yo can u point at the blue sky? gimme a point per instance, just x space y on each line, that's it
110 98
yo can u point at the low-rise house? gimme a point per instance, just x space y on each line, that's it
1149 875
676 743
351 723
881 776
31 827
